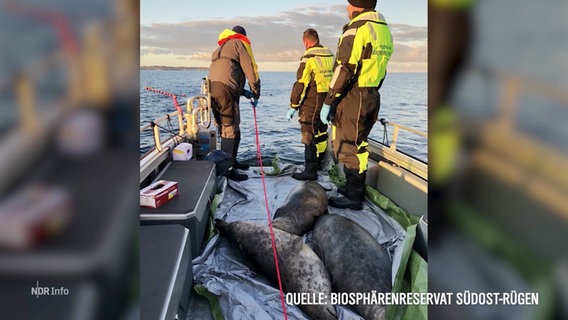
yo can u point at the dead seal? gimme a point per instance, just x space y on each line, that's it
355 261
305 203
301 270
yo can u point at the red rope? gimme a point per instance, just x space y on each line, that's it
171 95
58 21
268 212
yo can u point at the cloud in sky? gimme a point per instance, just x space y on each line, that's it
276 40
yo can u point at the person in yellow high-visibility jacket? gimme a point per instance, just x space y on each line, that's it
364 50
308 94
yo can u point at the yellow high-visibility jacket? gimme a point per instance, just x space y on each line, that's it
364 50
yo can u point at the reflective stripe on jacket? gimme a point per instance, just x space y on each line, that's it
316 70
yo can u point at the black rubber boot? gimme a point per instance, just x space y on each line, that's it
321 160
353 192
311 167
228 145
235 176
310 172
236 144
352 200
238 165
342 190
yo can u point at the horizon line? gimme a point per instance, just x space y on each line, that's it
171 68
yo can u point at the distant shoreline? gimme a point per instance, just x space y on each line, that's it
168 68
172 68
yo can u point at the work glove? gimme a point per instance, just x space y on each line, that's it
324 113
290 114
254 102
248 94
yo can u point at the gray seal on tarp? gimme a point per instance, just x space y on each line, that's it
301 270
356 262
305 203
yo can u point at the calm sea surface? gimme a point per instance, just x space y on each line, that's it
403 100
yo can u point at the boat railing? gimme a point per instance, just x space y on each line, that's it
197 114
389 151
524 159
156 124
397 127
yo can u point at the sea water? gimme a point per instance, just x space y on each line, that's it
403 101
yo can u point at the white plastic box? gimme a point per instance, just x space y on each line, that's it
183 152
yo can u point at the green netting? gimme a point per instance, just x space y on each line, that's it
488 235
275 167
493 238
411 276
213 301
211 231
402 216
412 273
335 176
199 288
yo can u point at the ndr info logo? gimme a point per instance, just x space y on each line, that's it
48 291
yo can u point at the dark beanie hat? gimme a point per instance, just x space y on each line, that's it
367 4
239 29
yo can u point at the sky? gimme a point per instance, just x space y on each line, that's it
184 33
